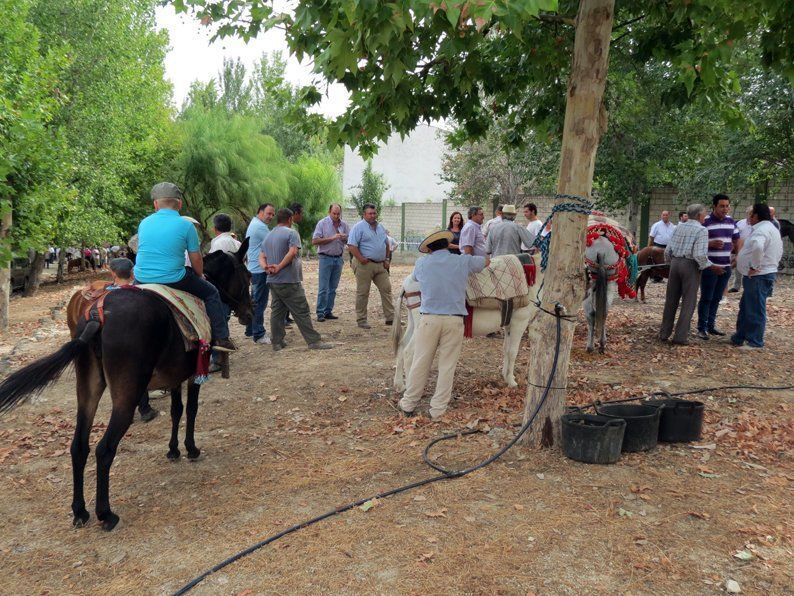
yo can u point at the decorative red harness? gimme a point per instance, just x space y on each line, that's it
621 272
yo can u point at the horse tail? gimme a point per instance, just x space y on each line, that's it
600 295
34 378
397 326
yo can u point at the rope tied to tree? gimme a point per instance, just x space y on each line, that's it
581 205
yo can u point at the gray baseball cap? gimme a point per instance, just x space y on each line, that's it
166 190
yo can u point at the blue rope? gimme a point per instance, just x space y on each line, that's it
582 205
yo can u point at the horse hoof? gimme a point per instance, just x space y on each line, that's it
601 350
149 415
81 519
193 454
589 350
173 454
109 521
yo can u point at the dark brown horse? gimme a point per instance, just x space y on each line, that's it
138 347
650 255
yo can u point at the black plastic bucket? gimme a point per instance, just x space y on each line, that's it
592 439
681 420
642 424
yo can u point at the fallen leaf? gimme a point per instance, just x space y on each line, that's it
273 397
342 398
743 555
440 513
425 557
624 513
699 515
368 505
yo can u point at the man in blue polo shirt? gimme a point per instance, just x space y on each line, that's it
163 238
260 292
442 278
369 248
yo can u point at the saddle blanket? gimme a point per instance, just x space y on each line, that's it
189 313
503 279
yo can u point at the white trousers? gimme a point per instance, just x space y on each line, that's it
435 334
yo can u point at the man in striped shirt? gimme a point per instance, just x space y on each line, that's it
723 239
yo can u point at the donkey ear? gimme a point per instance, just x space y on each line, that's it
243 250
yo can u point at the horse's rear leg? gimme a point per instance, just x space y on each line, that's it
176 416
90 385
510 347
190 423
125 400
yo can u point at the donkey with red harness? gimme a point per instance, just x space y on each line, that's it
134 345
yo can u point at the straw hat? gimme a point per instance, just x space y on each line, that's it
191 220
509 210
442 235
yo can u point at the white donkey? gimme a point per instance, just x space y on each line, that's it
602 261
484 321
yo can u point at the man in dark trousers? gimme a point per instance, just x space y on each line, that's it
280 257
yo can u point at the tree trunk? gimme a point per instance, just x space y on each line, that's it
5 272
585 119
34 277
61 274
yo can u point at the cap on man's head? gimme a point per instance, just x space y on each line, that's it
166 190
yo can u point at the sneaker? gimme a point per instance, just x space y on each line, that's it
214 368
733 290
279 346
264 340
724 300
224 345
288 324
320 318
321 345
703 335
716 332
679 343
406 413
365 325
331 316
750 348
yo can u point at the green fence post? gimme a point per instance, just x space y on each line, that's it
402 225
444 214
645 214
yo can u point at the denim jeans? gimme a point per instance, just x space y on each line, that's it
712 287
259 295
330 272
751 322
201 288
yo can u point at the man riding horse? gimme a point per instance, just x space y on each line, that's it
163 239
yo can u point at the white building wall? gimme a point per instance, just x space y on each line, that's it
411 166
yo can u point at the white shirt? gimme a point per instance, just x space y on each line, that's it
534 228
487 224
225 242
662 232
762 250
745 229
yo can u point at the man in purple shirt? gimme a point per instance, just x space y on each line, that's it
723 236
330 237
472 241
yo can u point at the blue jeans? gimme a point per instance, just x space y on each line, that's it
751 322
330 272
201 288
259 295
712 287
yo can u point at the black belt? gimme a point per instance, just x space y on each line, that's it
322 254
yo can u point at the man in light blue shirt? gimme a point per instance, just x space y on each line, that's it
256 234
163 238
472 241
442 278
370 252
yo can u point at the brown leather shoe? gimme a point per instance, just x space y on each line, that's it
224 345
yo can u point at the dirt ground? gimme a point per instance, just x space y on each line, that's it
296 433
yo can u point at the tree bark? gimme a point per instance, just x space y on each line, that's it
61 274
34 278
5 272
585 121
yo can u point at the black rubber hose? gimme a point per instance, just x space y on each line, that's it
445 475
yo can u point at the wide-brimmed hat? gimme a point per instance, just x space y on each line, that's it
166 190
191 220
441 235
509 210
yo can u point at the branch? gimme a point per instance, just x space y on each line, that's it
558 18
629 22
